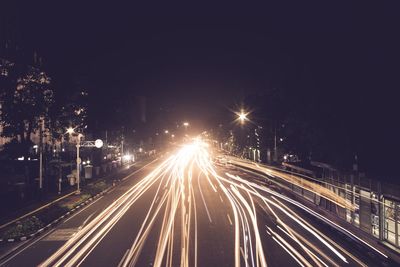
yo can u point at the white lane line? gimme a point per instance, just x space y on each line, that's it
74 215
87 219
133 173
109 191
229 218
34 241
241 251
204 202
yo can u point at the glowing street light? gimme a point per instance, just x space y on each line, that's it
98 144
166 131
242 116
186 124
70 130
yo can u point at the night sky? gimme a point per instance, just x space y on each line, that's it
195 61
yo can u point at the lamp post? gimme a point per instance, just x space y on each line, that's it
186 125
98 143
242 117
78 162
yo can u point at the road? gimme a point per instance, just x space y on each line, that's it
186 210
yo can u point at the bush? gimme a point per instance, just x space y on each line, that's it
95 188
25 227
51 213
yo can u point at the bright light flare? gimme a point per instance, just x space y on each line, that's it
70 130
127 157
242 116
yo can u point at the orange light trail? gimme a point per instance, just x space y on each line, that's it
175 203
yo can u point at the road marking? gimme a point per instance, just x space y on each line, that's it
36 210
229 218
74 215
31 242
221 199
87 219
205 205
241 251
61 234
133 173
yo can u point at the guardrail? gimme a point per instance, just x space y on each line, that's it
371 206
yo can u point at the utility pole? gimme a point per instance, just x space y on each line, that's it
41 129
78 162
59 176
275 148
122 148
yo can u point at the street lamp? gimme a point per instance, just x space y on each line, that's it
70 130
98 143
242 116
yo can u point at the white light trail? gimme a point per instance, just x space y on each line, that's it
177 190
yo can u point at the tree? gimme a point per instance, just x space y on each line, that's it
26 97
73 113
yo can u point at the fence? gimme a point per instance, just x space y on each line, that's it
376 204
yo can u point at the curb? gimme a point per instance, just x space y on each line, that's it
67 214
56 221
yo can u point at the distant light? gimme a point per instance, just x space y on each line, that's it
84 163
166 131
98 143
63 150
186 124
140 149
242 116
70 130
126 157
35 146
54 150
281 139
88 161
172 135
105 157
21 158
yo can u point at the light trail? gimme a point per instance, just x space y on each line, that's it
176 196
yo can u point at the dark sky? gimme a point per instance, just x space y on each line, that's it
196 60
192 56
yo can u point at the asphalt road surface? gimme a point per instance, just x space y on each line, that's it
185 210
